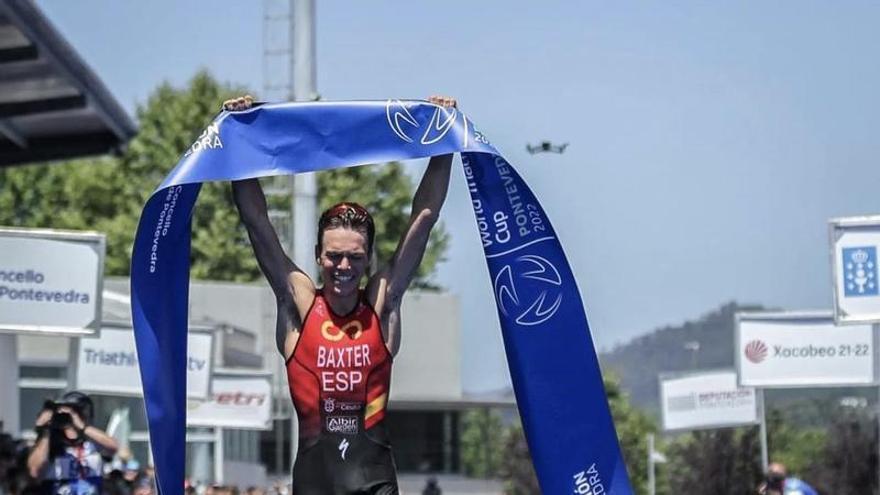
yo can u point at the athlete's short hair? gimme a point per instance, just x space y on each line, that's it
349 216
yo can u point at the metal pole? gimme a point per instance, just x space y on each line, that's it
652 484
875 342
304 203
278 426
305 186
10 419
218 455
765 455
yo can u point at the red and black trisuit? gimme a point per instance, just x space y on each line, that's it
340 376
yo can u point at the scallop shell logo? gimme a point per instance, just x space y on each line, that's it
756 351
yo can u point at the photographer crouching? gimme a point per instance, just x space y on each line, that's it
68 457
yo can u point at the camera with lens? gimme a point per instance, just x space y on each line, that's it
775 481
77 402
60 420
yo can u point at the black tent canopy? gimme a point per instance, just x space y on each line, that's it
52 106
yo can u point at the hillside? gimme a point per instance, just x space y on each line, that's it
638 362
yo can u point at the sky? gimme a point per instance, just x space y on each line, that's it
709 142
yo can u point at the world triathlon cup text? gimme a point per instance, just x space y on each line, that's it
522 218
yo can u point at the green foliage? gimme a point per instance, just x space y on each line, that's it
632 427
517 470
482 438
106 194
795 446
169 123
386 191
848 464
713 461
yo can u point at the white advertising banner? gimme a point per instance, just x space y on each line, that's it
786 350
108 364
241 401
51 281
855 243
711 399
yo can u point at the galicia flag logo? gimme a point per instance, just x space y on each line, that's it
756 351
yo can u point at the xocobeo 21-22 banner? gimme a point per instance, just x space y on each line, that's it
552 360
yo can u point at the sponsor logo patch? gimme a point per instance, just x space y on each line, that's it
331 332
345 425
331 404
350 406
343 447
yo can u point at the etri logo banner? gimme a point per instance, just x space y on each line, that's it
860 271
756 351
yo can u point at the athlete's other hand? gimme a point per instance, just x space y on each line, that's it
240 103
443 101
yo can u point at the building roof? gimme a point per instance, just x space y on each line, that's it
52 106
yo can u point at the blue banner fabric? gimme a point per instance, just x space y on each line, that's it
553 363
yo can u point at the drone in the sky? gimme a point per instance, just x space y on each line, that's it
546 147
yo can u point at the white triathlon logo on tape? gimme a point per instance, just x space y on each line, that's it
398 115
539 310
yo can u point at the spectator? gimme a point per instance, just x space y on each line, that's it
70 453
778 482
432 488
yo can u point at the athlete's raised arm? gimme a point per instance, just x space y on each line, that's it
293 288
391 283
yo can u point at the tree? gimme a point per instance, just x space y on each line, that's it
482 443
106 194
714 461
848 464
517 470
793 443
632 427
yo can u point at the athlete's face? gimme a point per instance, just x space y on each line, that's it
343 260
